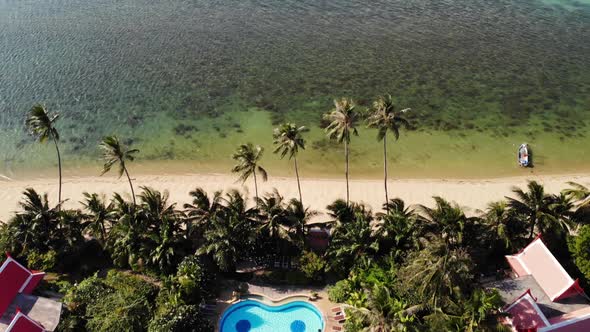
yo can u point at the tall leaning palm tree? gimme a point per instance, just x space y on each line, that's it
385 118
288 139
113 152
343 121
248 156
42 126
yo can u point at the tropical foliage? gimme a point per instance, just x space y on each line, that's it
343 121
412 268
42 126
288 139
248 158
115 153
386 119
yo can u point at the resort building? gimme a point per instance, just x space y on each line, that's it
20 311
541 295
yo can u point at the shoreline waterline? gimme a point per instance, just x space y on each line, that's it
278 168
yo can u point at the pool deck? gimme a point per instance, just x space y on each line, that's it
277 295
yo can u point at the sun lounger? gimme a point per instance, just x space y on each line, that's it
22 323
13 279
336 328
339 318
336 310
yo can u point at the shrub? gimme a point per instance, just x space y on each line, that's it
186 318
340 292
128 308
312 265
121 302
191 280
80 296
579 248
43 262
190 285
242 288
4 237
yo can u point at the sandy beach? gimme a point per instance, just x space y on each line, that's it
470 194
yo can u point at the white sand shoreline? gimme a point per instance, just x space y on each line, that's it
471 194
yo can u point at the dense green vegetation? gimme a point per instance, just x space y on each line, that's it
145 264
150 266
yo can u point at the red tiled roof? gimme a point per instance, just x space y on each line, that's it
13 277
22 323
538 261
575 321
526 314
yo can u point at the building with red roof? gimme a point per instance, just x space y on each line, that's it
536 260
542 296
19 310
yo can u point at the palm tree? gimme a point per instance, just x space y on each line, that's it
99 213
579 193
163 220
125 238
398 229
273 215
503 226
439 274
481 311
155 207
343 120
341 212
533 205
297 218
114 152
42 126
385 118
227 240
288 139
36 224
248 156
235 204
446 220
350 242
202 209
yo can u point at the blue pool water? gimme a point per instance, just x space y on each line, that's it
254 316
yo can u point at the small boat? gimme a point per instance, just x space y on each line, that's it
523 155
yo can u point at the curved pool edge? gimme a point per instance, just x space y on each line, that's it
272 305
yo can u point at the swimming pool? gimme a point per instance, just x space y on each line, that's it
254 316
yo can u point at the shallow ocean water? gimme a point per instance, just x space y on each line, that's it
189 80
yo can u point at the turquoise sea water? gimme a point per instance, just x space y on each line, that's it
253 316
189 80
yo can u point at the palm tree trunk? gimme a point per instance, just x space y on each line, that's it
60 180
103 232
298 183
385 170
130 184
533 222
346 171
256 187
